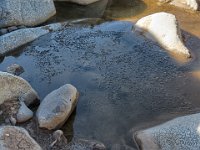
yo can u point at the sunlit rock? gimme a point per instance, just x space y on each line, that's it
16 138
163 28
57 106
182 133
25 12
187 4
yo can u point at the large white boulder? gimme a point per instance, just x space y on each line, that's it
25 12
16 138
163 28
81 2
57 106
182 133
9 42
16 88
188 4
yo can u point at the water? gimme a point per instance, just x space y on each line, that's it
126 83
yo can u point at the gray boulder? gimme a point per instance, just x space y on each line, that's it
80 2
16 138
163 28
25 12
57 106
11 41
15 88
182 133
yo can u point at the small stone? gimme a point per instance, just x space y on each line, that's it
57 137
12 120
15 69
24 113
13 28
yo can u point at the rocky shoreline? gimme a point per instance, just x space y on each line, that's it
26 127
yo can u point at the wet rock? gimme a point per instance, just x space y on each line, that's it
3 31
15 69
16 138
187 4
15 39
15 88
57 106
25 12
163 28
81 2
82 144
182 133
24 113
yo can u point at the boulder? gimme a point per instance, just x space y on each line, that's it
80 2
25 12
24 113
11 41
16 138
182 133
57 106
163 28
187 4
15 88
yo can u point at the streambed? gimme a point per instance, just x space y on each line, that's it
125 81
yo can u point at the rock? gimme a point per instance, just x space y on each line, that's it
25 12
80 2
12 120
57 106
187 4
82 144
182 133
16 138
3 31
57 135
13 28
163 28
15 88
15 69
24 113
11 41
